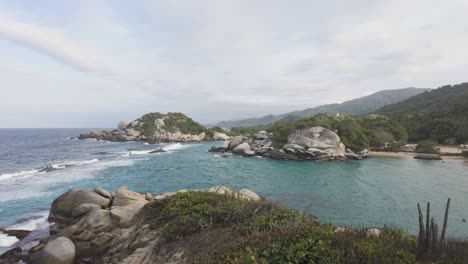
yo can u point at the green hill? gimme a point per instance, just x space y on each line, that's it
440 114
359 106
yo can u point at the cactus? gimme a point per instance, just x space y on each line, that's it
429 237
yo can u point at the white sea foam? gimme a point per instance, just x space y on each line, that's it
20 174
51 167
7 241
176 146
38 222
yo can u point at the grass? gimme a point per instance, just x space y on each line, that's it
212 228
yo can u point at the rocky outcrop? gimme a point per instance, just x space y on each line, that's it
220 136
76 202
154 128
315 143
57 251
113 234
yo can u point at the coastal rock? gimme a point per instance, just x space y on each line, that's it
11 256
19 234
62 207
126 206
103 193
135 123
241 149
125 197
279 155
220 136
236 141
373 232
220 190
246 194
83 209
132 132
262 135
160 150
217 149
122 124
58 251
159 122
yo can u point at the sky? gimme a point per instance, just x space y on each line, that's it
93 63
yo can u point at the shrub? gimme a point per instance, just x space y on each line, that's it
188 213
222 229
426 146
465 153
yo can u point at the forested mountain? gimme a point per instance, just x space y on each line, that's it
359 106
440 114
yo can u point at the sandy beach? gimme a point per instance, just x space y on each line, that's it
409 155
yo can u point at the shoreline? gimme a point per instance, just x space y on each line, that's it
384 154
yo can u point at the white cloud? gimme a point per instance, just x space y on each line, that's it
55 45
219 60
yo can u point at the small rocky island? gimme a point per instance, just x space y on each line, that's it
315 143
156 128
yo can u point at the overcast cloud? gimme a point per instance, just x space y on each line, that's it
92 63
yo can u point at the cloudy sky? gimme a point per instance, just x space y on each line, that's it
92 63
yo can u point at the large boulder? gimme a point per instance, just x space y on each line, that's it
220 136
122 124
318 138
236 141
124 197
241 149
126 206
132 132
246 194
62 207
58 251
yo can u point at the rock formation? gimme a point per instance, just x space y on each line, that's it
110 230
315 143
154 128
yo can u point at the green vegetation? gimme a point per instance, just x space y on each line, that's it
173 122
426 146
236 131
213 228
440 114
357 133
465 153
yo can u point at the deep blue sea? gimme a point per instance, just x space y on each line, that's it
372 192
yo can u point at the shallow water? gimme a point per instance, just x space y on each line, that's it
373 192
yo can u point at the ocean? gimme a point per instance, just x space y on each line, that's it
37 165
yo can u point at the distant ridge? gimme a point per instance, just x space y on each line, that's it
440 114
359 106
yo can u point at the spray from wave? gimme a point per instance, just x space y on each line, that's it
45 169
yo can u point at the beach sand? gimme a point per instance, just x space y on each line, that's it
408 155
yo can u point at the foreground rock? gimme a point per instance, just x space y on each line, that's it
111 233
315 143
57 251
77 202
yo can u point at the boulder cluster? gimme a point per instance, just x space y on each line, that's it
134 132
96 226
155 132
315 143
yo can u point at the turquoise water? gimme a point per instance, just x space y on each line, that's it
372 192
